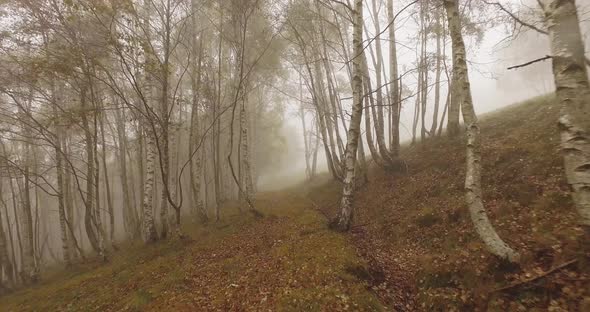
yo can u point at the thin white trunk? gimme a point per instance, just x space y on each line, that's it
462 96
344 218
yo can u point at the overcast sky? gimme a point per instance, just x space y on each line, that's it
492 85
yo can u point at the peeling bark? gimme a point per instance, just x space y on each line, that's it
573 93
344 218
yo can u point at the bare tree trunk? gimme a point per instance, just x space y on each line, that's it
96 219
217 126
315 151
424 65
89 199
248 188
10 264
379 121
69 202
141 170
30 269
107 186
16 220
164 153
368 128
195 161
60 182
344 218
418 104
362 163
573 91
333 167
462 96
6 265
129 215
439 56
327 116
393 74
449 82
149 227
306 142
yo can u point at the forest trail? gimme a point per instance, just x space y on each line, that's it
412 246
287 261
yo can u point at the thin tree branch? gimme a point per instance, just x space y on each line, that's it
546 57
515 18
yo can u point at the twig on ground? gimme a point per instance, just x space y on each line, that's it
532 279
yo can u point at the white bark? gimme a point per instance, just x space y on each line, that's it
149 227
573 92
344 219
462 96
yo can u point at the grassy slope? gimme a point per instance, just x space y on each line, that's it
415 231
287 261
417 247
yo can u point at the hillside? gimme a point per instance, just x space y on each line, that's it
415 230
412 246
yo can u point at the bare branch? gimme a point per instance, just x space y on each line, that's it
516 18
532 62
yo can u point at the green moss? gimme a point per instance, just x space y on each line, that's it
140 299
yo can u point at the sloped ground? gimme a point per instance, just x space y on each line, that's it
288 261
412 247
415 231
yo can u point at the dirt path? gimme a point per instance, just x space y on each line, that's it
288 261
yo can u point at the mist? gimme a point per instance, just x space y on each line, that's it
213 145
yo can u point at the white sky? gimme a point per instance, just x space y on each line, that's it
492 85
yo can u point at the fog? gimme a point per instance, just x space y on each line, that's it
493 85
228 132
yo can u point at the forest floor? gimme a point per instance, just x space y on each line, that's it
287 261
414 228
412 246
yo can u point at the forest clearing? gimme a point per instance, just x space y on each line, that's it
294 155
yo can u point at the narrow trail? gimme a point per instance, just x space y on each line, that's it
287 261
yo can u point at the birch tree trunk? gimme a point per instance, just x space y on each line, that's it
107 185
11 264
334 168
424 68
149 227
195 165
6 265
379 120
393 75
69 203
439 56
129 216
15 214
573 94
462 96
248 188
344 218
165 146
29 268
368 128
60 183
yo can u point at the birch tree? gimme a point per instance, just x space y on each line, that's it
461 94
344 218
572 92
